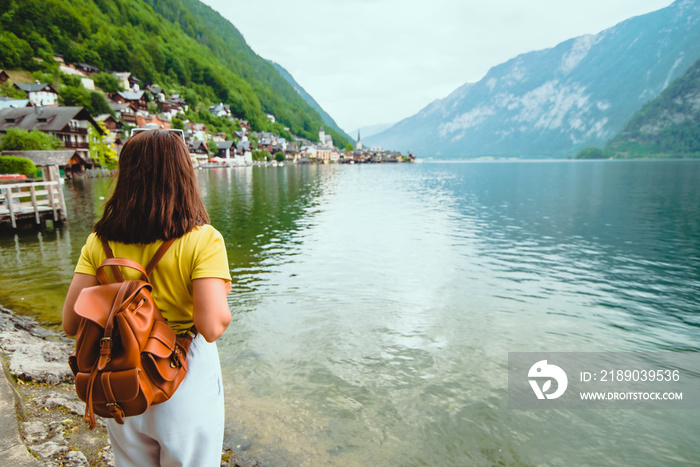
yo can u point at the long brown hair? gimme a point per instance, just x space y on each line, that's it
156 196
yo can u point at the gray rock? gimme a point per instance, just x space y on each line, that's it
34 353
69 400
75 459
108 455
49 449
34 432
237 459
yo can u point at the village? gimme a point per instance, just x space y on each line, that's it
141 105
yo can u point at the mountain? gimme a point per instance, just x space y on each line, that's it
556 101
309 100
182 45
669 124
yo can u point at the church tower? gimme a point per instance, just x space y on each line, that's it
358 145
322 136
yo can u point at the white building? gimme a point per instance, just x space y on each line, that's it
324 139
125 80
40 94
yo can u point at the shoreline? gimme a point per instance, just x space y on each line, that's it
49 413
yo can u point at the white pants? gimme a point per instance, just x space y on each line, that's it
186 430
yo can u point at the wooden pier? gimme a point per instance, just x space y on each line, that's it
26 202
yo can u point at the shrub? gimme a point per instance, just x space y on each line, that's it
99 104
17 165
6 89
592 153
107 82
260 155
70 80
16 139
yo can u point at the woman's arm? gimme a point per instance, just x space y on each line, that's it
70 319
211 314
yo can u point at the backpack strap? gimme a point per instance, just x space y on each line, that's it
114 263
157 257
122 263
115 269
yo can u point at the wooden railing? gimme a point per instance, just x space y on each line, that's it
21 201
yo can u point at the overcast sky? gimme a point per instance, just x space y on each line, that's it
368 62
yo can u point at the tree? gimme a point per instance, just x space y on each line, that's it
260 155
253 141
16 165
70 80
101 150
6 89
212 148
14 52
98 104
74 96
77 96
280 157
592 153
107 82
46 77
349 147
15 139
179 124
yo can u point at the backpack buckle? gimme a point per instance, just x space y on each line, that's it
116 411
105 346
175 358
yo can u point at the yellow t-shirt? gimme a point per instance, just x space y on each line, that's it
198 254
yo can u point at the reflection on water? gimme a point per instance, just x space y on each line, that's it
258 212
374 306
381 337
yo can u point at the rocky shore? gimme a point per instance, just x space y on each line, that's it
49 413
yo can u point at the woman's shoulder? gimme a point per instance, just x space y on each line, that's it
92 238
202 233
93 242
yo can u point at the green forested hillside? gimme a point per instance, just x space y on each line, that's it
668 125
182 45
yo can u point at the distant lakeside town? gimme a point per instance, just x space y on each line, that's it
87 142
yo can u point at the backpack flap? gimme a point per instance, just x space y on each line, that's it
162 357
161 341
95 303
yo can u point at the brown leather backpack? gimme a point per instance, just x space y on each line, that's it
126 356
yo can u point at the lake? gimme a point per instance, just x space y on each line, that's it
374 306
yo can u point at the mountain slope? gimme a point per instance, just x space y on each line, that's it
182 45
327 119
556 101
669 124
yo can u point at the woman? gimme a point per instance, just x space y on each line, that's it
156 199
